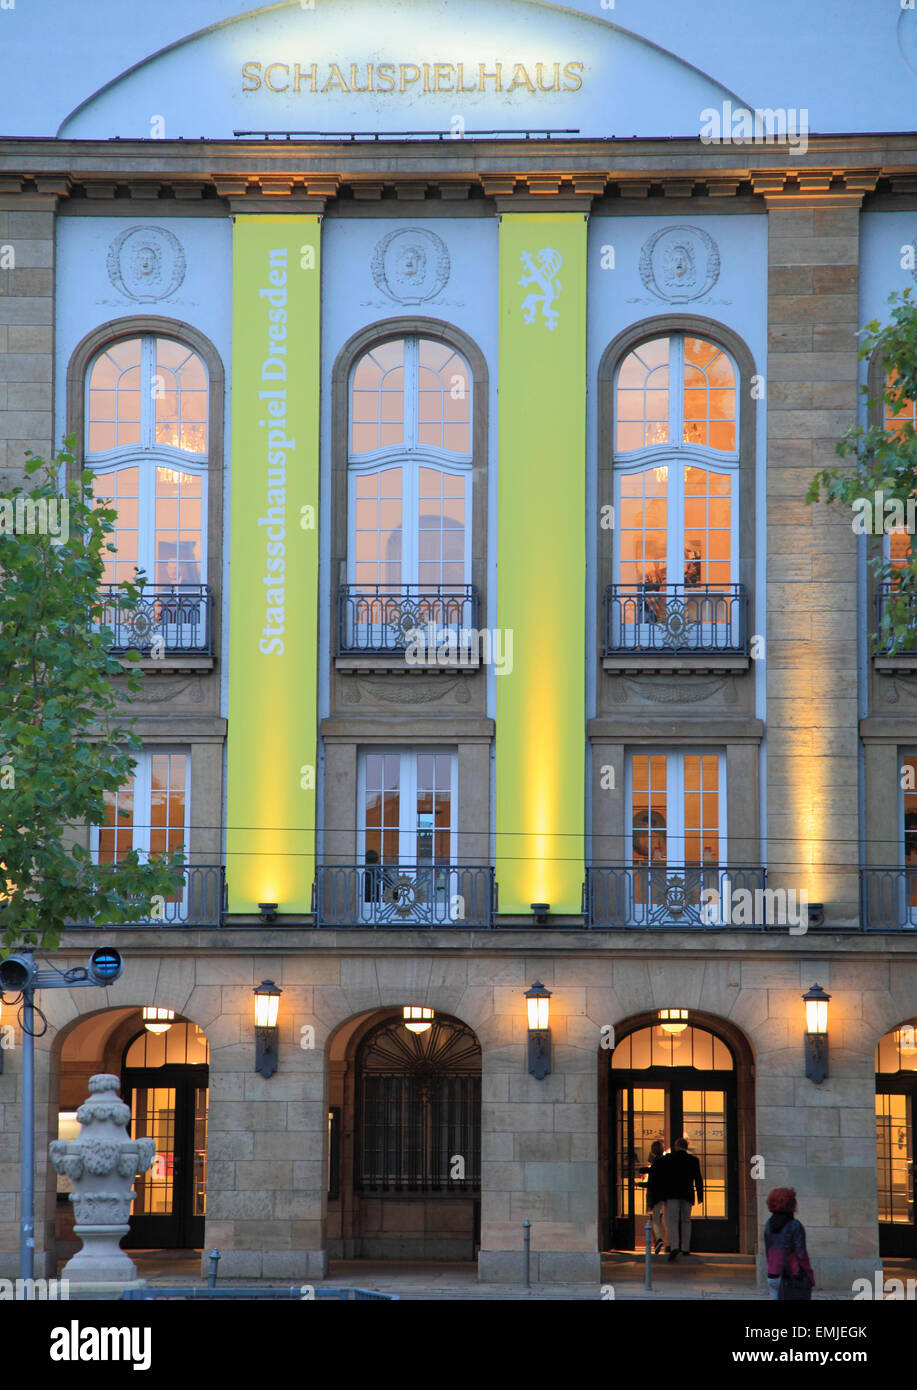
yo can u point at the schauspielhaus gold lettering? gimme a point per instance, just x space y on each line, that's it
400 78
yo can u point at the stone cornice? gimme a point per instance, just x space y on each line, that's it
511 174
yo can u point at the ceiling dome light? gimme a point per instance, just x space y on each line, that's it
673 1020
157 1020
417 1018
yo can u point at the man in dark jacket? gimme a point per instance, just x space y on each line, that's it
682 1179
656 1192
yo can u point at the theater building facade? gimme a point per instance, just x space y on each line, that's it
458 386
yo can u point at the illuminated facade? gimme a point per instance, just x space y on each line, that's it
488 636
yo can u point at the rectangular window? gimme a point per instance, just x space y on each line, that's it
148 814
408 807
676 830
677 807
407 839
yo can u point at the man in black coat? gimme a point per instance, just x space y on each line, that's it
656 1193
682 1179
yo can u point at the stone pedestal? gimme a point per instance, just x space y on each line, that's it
102 1164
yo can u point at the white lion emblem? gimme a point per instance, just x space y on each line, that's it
541 270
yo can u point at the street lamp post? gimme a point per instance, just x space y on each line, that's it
20 975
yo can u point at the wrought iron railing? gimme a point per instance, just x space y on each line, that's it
676 619
404 895
169 619
888 899
702 896
894 611
200 902
379 618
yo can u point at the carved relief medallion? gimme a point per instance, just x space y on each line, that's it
678 264
146 263
411 265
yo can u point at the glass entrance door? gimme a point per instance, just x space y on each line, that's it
896 1172
169 1104
647 1106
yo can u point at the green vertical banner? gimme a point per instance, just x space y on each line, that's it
541 560
273 588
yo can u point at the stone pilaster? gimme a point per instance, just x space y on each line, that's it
812 828
26 327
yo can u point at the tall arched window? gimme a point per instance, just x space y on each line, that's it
676 462
146 413
409 492
146 442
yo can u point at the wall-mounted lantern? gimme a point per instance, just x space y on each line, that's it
267 1002
539 1009
816 1002
417 1018
673 1021
156 1020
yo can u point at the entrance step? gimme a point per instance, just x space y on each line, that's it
696 1257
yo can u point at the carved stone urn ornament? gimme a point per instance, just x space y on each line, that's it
102 1164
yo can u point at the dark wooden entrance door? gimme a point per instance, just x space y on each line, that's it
169 1104
665 1103
895 1166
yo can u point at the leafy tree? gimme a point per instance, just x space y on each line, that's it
62 742
884 478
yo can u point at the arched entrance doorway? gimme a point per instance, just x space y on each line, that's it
896 1098
665 1079
164 1080
405 1140
159 1072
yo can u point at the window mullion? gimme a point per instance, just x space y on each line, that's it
361 809
675 810
453 809
147 373
407 809
411 387
676 489
410 520
676 389
143 810
146 517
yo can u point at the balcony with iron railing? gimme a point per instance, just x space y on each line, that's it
402 625
888 898
667 897
675 897
199 902
661 626
171 622
896 622
404 895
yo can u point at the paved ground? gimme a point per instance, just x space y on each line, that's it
699 1277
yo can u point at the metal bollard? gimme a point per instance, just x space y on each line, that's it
648 1272
214 1261
527 1242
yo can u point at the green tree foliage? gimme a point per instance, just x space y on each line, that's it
63 744
883 480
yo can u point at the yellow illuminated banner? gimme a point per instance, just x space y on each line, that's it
273 589
541 560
